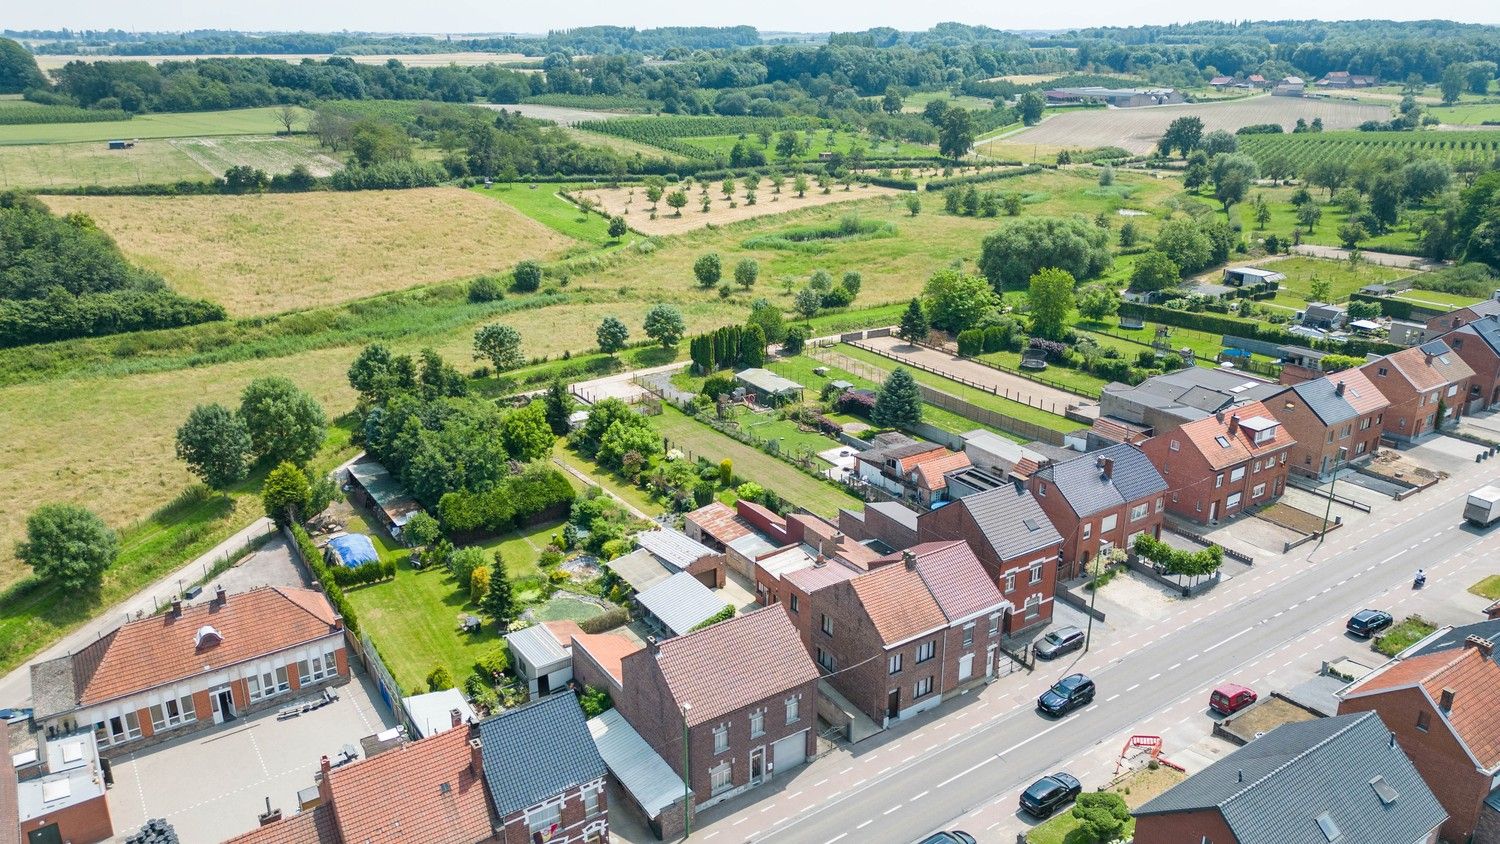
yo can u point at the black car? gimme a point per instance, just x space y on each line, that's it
1367 623
1066 695
1049 794
1058 642
953 837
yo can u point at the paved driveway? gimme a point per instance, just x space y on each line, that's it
212 784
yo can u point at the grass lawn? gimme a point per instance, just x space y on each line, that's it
917 100
794 441
542 203
155 161
607 479
565 607
1206 345
1466 115
240 121
797 487
1402 239
1343 279
1405 633
1071 379
1488 588
1438 298
522 547
999 404
1137 789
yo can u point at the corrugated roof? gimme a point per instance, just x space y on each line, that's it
640 568
767 381
425 787
673 547
681 602
1470 675
719 521
537 646
641 770
536 752
763 648
1273 790
1087 491
392 497
1010 520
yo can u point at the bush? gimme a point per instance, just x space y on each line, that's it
439 679
1102 815
486 289
595 701
970 342
722 615
494 662
608 620
526 277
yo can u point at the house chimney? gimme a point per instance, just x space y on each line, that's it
1241 775
476 757
1107 467
652 645
1234 424
1484 646
176 608
1219 415
456 717
324 765
1338 389
909 557
1445 700
220 596
820 561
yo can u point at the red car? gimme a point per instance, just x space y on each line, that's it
1231 698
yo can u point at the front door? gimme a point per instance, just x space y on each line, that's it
757 766
223 705
893 704
989 662
1213 512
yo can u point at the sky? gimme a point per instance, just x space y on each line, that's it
460 16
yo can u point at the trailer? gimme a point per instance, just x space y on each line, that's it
1483 506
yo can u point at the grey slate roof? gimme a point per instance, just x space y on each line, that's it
537 751
1318 395
681 602
1011 520
1487 329
1452 638
1082 484
1272 790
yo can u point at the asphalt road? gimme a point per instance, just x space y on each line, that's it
1013 747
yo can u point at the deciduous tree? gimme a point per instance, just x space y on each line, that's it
284 422
500 344
68 545
215 444
1050 296
664 325
612 334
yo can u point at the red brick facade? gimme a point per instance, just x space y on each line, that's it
1485 385
581 822
83 823
1317 444
1205 488
1028 581
1084 537
1205 826
1414 406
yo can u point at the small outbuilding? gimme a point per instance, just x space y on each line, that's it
679 604
372 486
1253 277
768 387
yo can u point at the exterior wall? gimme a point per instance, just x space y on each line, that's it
1483 360
1194 490
1202 827
876 525
577 825
84 823
1012 577
1317 445
1437 754
587 672
1444 323
1487 830
1410 412
1077 548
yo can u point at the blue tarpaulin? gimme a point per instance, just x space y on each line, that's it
354 549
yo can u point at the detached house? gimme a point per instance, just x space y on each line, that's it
910 470
897 640
1100 501
1426 386
1441 707
1478 343
1341 410
1218 467
1011 535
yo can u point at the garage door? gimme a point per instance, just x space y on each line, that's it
789 752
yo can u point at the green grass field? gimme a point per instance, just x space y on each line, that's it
156 161
1436 297
541 202
1343 279
1462 114
843 141
1406 632
1488 588
1402 239
242 121
918 100
632 494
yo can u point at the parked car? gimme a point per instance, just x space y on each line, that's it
1231 698
1066 695
15 715
951 837
1367 623
1058 642
1049 794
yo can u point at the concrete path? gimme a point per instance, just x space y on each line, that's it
1384 259
1011 386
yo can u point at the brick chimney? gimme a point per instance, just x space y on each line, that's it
220 596
1484 646
456 717
1445 701
1338 389
1234 424
909 557
820 561
325 788
652 645
176 608
1106 467
476 757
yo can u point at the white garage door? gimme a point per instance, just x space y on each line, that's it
789 752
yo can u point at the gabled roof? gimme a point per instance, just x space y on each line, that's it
763 647
817 577
1428 366
898 603
1486 329
1275 789
1010 521
673 546
536 752
441 797
1472 676
315 826
1229 438
1081 481
945 583
929 473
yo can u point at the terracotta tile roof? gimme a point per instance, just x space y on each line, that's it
956 579
1359 391
812 579
898 603
151 652
315 826
905 464
1471 675
563 631
1117 431
1221 448
720 522
1443 367
422 790
930 472
607 649
763 647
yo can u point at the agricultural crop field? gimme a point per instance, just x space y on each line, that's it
720 145
669 132
543 203
52 62
1463 114
157 161
1303 151
1138 129
240 121
632 204
244 251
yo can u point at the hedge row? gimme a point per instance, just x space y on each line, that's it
25 321
372 572
981 178
325 577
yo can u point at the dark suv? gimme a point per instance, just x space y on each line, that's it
1066 695
1058 642
1367 623
953 837
1049 794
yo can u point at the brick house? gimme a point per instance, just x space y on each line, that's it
1441 708
1341 779
889 522
1338 410
544 775
432 789
1443 323
193 667
744 724
910 470
1219 467
742 533
1478 343
1100 501
1015 541
53 789
899 639
1418 382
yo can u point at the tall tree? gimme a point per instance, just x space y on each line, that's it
808 302
1031 106
708 269
286 495
746 272
1455 78
899 404
68 545
1183 134
284 422
914 325
498 603
559 407
955 301
612 334
215 444
664 325
1050 296
527 434
1153 271
957 135
18 70
500 344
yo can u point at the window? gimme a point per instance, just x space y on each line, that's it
1283 458
1033 606
1174 445
1432 398
1330 436
1041 490
118 729
1348 429
757 723
1329 828
794 603
1360 448
827 624
269 683
1232 501
1257 467
1260 489
1088 529
895 663
1452 390
170 713
1222 441
994 623
1108 523
926 651
793 709
1384 791
544 818
1140 511
1424 721
721 738
1036 572
1236 474
591 800
923 687
719 779
1382 372
968 634
318 668
825 659
1010 581
1364 424
1218 480
1158 504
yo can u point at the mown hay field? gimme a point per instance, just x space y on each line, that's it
239 121
156 161
271 253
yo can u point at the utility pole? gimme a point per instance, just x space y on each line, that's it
1337 462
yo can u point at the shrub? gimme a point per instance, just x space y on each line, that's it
526 277
494 662
595 701
608 620
970 342
439 679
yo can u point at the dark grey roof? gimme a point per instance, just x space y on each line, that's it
1453 637
1205 399
1319 396
1487 329
1087 491
536 752
1011 520
1274 789
898 513
53 687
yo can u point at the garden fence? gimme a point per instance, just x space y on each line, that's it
1029 375
390 691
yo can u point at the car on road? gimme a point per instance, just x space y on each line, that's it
1231 698
951 837
1367 623
1058 642
1049 794
1066 695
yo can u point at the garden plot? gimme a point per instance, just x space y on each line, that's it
632 204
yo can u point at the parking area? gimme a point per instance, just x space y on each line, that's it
213 784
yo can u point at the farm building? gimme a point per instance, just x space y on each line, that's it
373 487
1117 97
1325 316
1253 277
768 387
1291 86
1345 79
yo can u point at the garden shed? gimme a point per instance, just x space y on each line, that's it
373 487
768 387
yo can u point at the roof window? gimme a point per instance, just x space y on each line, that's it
1330 829
1384 791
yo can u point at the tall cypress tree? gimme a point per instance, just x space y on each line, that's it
914 325
498 602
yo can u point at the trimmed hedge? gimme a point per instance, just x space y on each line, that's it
608 620
326 579
372 572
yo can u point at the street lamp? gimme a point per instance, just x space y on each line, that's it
1343 453
687 777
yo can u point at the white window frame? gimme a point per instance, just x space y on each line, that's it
1140 511
994 623
757 723
1452 390
1218 480
922 688
1108 523
968 634
172 712
1258 491
720 778
1010 581
1088 530
264 684
1232 501
1036 571
540 818
925 651
721 738
1033 606
895 663
793 709
1236 474
591 800
318 668
130 729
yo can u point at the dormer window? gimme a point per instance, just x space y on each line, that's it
1265 435
207 636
